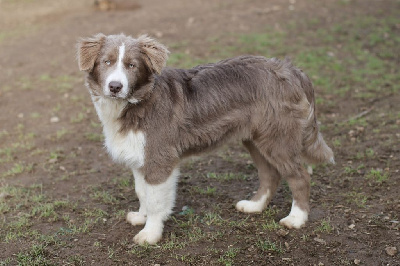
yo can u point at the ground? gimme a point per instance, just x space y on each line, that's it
63 201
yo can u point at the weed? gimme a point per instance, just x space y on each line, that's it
78 118
228 256
103 196
377 175
76 260
350 170
211 218
359 198
268 246
204 191
35 256
94 137
271 225
325 226
370 152
18 168
61 133
227 176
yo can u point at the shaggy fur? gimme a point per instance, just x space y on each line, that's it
266 103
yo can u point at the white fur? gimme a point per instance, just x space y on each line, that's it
296 218
118 75
140 217
249 206
159 201
124 148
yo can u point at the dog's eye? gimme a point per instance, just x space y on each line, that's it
108 62
131 65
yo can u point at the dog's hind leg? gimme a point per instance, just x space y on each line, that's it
269 181
159 200
138 218
299 184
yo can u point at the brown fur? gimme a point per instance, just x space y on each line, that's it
266 103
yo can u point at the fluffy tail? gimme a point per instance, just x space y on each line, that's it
315 149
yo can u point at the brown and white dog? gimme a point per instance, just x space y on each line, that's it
153 117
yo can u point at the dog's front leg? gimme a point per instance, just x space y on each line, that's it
158 202
138 218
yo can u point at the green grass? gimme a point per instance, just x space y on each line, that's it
103 196
325 226
357 198
269 246
204 191
377 175
227 176
17 169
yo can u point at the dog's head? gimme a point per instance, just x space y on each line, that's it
118 65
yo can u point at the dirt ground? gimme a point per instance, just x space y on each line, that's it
63 201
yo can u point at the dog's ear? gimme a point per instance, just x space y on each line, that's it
154 53
89 50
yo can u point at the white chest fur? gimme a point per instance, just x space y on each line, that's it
125 148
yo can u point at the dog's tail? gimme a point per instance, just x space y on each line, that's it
315 149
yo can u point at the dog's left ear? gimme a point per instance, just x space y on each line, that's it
154 53
88 51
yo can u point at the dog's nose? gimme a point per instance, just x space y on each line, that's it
115 86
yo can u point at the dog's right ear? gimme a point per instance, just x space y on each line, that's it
89 50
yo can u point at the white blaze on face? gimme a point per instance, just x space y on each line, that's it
118 75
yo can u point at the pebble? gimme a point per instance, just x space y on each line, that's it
21 115
357 261
282 232
54 119
391 251
319 240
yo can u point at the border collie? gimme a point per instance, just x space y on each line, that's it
153 117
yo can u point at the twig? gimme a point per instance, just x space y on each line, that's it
363 113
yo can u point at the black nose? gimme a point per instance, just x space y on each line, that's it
115 86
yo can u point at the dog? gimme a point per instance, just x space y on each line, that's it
153 117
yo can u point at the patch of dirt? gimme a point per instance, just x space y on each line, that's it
39 80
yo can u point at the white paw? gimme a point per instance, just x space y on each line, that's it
249 206
294 221
136 218
146 236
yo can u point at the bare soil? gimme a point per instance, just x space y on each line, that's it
50 143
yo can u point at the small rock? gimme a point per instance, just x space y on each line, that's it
391 251
330 54
76 239
21 115
54 119
321 264
190 22
320 240
357 261
287 245
157 264
158 34
62 168
53 160
352 226
282 232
